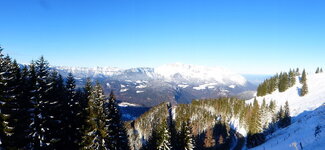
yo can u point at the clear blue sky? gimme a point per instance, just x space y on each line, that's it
247 36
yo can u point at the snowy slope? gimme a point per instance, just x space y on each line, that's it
308 112
298 104
308 133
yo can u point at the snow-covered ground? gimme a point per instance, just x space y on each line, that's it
307 130
298 104
126 104
204 86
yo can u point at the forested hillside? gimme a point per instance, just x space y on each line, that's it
41 110
210 124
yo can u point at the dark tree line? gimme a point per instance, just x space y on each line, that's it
281 81
303 81
39 109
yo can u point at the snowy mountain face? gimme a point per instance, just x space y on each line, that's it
176 83
307 130
192 73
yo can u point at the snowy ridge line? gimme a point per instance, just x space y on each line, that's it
170 72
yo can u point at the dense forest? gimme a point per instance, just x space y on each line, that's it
42 110
283 81
206 124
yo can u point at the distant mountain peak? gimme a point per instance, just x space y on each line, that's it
199 73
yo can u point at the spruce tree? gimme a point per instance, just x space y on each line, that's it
280 117
292 78
321 70
283 82
303 77
317 70
11 91
72 112
304 89
255 121
84 96
287 118
24 119
41 121
117 137
164 138
95 134
186 137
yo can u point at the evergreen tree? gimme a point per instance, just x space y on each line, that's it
186 139
292 78
283 82
303 77
255 137
321 70
304 89
255 120
72 115
84 96
11 91
95 135
297 72
280 117
317 70
164 138
24 119
41 121
287 118
117 137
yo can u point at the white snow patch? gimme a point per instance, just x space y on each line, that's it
126 104
138 81
235 125
108 85
141 86
183 85
204 86
123 90
232 86
139 91
122 86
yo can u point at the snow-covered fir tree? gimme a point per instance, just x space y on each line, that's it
72 111
164 139
117 137
186 137
95 135
10 88
41 101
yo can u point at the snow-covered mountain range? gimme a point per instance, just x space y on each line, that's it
171 72
176 83
307 130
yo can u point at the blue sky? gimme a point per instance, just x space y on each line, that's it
247 36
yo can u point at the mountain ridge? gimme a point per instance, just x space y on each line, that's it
175 83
